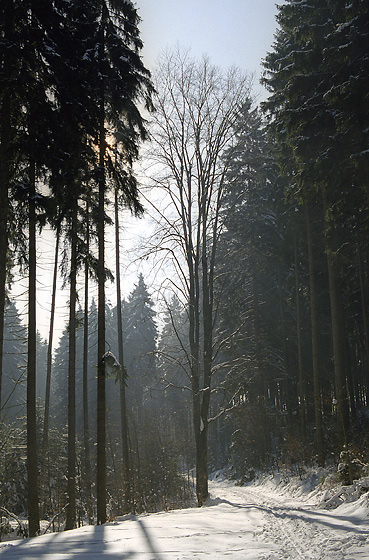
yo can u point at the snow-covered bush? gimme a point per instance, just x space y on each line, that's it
351 467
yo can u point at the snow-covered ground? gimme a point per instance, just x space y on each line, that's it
266 520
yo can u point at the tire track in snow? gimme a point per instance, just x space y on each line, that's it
298 531
322 535
278 529
294 543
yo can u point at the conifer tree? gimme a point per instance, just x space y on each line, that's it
308 129
173 369
8 71
35 141
127 476
121 80
140 344
14 362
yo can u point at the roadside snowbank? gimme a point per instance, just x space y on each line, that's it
320 487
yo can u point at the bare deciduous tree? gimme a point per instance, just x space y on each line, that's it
193 127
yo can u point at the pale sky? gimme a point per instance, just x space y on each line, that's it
230 32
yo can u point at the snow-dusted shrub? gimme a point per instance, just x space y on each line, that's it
350 467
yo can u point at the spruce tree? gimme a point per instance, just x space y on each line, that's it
120 81
303 122
140 344
8 73
14 363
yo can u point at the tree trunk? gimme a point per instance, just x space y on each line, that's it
299 347
364 308
101 412
314 344
4 182
260 373
202 490
207 359
127 483
71 487
201 461
32 467
337 332
287 396
5 135
45 437
194 340
86 431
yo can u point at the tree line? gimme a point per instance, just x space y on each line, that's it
72 79
157 445
263 355
297 243
265 224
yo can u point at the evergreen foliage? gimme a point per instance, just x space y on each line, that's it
14 365
310 221
269 239
140 345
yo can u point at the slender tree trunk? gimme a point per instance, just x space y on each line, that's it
314 344
192 253
364 307
5 157
351 382
287 396
86 431
337 332
202 451
71 486
32 467
202 490
195 387
200 428
45 437
299 347
260 373
101 412
116 488
127 484
200 432
4 182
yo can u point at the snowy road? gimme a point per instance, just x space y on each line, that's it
298 530
240 523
